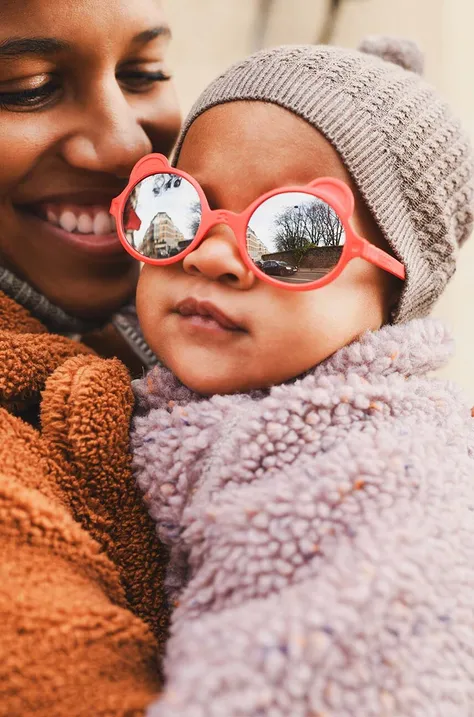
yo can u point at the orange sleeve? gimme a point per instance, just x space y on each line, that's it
69 645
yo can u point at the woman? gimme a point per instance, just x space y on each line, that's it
84 92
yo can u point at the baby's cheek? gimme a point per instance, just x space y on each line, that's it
320 326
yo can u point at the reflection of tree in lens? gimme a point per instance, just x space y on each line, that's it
164 182
195 212
306 226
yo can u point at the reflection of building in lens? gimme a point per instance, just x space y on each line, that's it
162 238
254 246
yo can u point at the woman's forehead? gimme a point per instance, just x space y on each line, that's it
81 21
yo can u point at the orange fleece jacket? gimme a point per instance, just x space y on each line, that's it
82 608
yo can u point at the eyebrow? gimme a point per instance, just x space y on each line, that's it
17 47
152 34
41 46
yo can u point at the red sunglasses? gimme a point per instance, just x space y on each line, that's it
296 237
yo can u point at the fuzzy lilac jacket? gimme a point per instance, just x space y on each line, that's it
322 537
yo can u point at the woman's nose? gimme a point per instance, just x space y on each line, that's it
107 136
218 258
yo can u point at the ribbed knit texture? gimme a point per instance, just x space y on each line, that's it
321 533
406 152
52 316
58 321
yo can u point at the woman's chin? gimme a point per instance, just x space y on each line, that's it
92 300
101 311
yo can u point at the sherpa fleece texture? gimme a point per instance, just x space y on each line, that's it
322 537
81 569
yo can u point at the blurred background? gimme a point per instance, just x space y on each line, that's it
211 34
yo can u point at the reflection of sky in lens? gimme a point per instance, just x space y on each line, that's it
263 219
177 202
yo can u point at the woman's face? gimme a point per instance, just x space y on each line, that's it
84 93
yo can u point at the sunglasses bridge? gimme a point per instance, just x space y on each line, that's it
215 217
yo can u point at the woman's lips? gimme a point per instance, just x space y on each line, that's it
205 314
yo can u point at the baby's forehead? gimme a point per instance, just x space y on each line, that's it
238 151
260 140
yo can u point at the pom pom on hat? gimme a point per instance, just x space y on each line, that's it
398 50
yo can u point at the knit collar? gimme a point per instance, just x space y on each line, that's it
53 317
58 321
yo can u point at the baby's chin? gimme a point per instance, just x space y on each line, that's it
210 372
205 384
218 376
209 381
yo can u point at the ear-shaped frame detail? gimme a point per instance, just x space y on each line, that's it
150 164
337 194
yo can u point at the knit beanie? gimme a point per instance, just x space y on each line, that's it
406 152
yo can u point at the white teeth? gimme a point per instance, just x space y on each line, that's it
102 223
84 224
68 221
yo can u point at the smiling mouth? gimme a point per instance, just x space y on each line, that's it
204 314
79 221
75 218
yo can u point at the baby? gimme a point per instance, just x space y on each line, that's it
314 484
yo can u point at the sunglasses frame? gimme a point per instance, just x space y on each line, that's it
330 190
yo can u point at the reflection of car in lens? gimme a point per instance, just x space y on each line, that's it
276 268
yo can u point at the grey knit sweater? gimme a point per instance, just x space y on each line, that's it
322 537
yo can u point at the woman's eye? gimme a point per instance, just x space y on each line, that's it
141 80
30 98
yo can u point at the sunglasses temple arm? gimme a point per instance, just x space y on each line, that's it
383 260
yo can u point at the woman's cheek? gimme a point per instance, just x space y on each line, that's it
23 144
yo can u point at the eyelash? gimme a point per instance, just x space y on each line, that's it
147 77
27 98
38 97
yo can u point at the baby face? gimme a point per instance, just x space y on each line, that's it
261 334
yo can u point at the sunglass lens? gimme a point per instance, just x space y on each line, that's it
161 216
295 237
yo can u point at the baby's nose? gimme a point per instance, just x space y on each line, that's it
218 258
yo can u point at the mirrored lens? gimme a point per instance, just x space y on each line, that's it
162 216
295 237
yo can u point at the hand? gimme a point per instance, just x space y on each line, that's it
85 419
70 644
85 415
28 355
